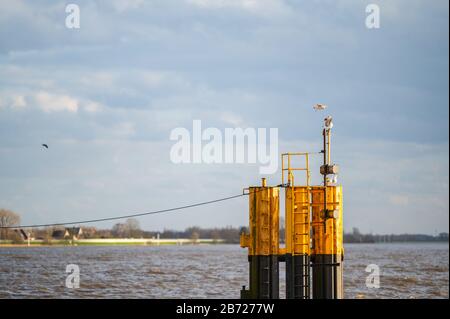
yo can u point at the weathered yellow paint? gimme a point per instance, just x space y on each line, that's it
327 231
297 210
244 240
263 237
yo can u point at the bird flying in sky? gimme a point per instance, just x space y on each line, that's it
319 107
45 145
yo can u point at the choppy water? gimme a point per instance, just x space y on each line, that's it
216 271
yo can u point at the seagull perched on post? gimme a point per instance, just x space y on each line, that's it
45 145
328 122
319 107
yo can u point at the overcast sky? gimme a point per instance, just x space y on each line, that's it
105 98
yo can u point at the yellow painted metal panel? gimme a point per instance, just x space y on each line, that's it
263 238
327 232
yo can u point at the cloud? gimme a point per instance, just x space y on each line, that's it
47 102
56 103
18 101
92 107
106 97
260 7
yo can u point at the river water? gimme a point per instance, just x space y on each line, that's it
410 270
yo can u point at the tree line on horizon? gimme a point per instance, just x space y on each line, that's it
357 237
131 229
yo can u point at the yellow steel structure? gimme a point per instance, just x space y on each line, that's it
262 242
327 230
297 207
298 227
263 236
327 251
287 167
313 252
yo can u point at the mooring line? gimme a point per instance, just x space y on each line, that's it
126 216
131 215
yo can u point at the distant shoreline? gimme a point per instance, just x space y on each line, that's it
174 243
113 242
